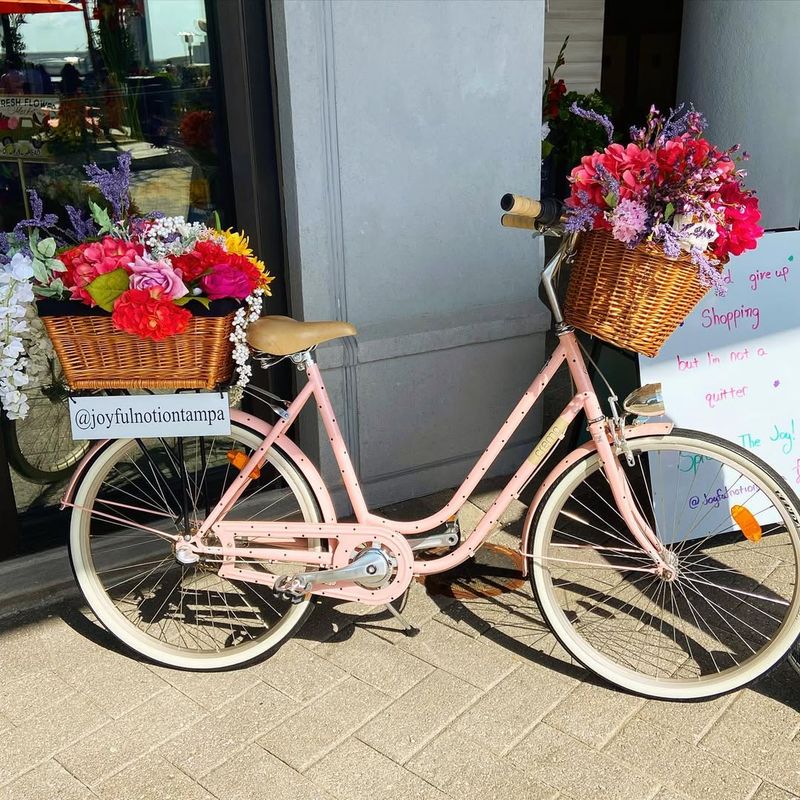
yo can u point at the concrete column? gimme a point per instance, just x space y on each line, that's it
740 63
402 122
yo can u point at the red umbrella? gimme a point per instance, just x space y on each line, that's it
35 6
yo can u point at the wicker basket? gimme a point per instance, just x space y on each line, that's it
94 355
633 298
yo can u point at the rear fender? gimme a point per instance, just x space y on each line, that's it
300 459
631 432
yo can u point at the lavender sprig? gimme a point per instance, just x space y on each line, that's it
581 218
114 184
709 274
594 116
39 218
666 235
82 228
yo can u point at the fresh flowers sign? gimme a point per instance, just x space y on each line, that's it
147 271
668 187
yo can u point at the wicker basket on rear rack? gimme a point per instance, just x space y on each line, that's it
633 298
94 355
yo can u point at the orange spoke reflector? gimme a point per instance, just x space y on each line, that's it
747 523
240 459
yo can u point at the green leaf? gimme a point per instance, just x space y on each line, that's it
54 265
669 211
47 247
217 221
100 216
182 301
55 289
40 271
105 289
611 200
547 148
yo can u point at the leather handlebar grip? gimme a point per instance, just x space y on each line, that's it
517 221
519 205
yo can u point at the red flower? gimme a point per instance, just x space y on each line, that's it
740 230
197 130
204 257
86 261
148 315
557 90
207 260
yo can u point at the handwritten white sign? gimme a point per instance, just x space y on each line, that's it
150 416
731 368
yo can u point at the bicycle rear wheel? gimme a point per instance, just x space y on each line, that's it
730 527
40 447
126 521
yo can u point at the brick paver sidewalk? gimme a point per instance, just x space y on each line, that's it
481 704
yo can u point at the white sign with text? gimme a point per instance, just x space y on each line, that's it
150 416
731 368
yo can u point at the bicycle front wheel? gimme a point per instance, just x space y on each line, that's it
127 519
727 612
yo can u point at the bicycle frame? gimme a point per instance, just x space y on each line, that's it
288 537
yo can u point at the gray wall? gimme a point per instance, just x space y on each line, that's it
740 65
401 124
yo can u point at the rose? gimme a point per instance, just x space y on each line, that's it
149 274
149 315
85 262
227 280
203 258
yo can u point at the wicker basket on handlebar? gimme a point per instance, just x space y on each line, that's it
633 298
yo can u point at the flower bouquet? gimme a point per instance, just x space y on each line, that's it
660 217
129 301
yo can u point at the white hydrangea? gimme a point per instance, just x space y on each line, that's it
174 236
16 301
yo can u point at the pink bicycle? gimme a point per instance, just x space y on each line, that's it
664 560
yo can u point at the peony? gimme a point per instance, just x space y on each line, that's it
85 262
149 315
147 273
227 280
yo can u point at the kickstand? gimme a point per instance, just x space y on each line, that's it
408 628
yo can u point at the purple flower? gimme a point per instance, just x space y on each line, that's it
628 221
593 116
681 120
83 228
581 218
39 218
5 246
709 274
667 236
114 184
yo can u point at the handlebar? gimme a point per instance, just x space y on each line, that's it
539 215
543 212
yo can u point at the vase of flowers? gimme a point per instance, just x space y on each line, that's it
658 219
129 300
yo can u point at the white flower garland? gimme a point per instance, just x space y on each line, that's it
16 297
250 312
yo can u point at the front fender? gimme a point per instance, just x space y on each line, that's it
631 432
302 461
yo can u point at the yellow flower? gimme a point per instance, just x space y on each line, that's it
238 243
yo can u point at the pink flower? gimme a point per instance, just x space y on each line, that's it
87 261
628 221
149 274
226 280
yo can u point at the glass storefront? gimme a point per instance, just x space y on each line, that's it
83 82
